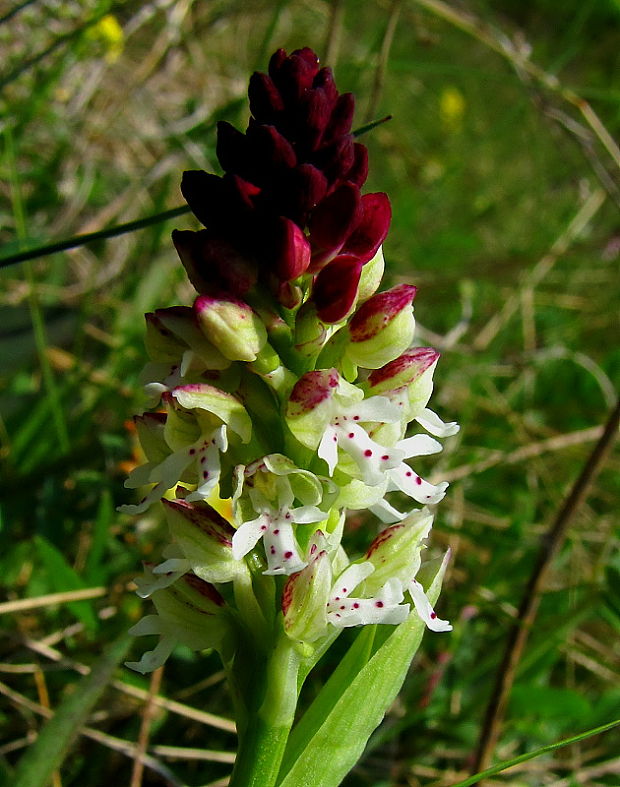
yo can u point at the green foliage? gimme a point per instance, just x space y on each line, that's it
485 169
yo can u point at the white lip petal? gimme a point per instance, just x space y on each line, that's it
425 610
433 424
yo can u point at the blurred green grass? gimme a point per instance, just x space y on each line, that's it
485 170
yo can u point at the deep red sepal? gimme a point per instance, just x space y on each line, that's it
292 250
335 288
232 149
332 222
373 226
213 264
266 103
341 118
359 169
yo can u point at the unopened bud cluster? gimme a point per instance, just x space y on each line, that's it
290 387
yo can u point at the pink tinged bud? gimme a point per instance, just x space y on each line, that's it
413 373
266 103
332 222
311 390
309 409
205 538
372 228
213 263
397 550
336 287
292 254
232 326
404 370
382 327
304 600
180 320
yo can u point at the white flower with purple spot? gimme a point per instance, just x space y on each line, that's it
204 455
269 488
344 610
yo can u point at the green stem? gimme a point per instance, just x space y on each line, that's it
263 739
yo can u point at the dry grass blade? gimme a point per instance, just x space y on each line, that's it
551 542
173 706
557 443
183 753
501 43
115 744
148 714
574 229
23 604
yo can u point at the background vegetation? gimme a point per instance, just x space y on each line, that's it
505 198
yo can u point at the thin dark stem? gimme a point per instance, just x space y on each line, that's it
130 226
384 54
15 10
82 240
550 544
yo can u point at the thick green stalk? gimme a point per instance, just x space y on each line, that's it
263 739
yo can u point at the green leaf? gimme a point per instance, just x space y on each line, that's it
361 700
52 745
63 577
530 755
95 566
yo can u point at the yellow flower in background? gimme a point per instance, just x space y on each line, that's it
109 32
451 108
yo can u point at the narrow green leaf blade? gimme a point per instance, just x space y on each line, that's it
530 755
339 741
51 747
63 577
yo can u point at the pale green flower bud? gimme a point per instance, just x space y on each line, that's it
371 276
232 326
205 538
382 328
305 597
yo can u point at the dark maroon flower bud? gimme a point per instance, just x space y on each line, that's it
276 60
336 159
325 80
313 114
371 230
302 190
335 288
266 103
270 149
292 250
332 223
341 118
359 169
294 74
204 193
232 149
213 264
